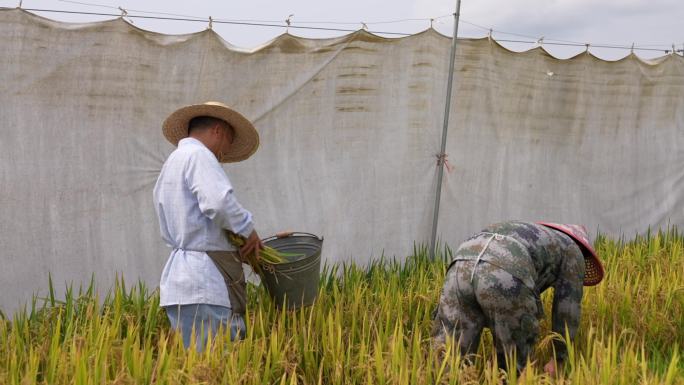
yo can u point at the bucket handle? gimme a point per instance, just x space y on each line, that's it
286 234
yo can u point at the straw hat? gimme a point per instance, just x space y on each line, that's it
593 272
245 142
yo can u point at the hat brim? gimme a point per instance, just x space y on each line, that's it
246 139
593 269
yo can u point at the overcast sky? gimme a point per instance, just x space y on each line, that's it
654 24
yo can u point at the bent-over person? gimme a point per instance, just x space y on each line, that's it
496 278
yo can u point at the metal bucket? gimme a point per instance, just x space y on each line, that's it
294 282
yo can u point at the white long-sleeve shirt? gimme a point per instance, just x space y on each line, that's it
194 201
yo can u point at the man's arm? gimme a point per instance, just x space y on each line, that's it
567 299
210 184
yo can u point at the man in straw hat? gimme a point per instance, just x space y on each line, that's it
496 278
202 285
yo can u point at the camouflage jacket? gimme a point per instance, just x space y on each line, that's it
541 258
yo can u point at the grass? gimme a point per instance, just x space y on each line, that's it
370 325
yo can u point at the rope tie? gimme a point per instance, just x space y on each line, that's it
124 15
288 21
442 160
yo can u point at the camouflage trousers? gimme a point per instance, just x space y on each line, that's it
493 298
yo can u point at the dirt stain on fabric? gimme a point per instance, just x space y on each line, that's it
325 49
361 49
354 90
286 44
352 109
341 76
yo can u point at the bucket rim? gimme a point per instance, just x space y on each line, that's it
306 261
288 234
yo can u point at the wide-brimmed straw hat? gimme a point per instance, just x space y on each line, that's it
593 271
245 140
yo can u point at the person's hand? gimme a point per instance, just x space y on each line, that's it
252 245
550 368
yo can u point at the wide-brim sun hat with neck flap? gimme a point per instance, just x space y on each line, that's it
593 272
245 141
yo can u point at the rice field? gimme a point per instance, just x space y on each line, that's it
370 325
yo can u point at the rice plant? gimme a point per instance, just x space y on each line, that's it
370 325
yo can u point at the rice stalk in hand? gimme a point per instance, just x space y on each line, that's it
267 255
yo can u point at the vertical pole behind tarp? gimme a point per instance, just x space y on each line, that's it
441 158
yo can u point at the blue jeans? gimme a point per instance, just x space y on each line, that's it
205 319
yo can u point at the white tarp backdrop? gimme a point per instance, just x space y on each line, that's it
350 129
